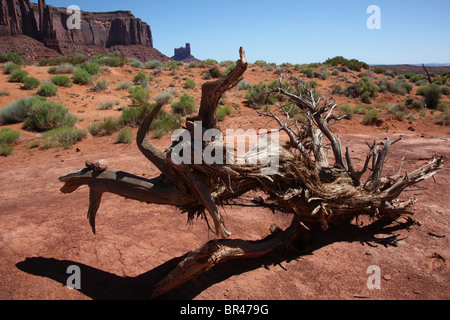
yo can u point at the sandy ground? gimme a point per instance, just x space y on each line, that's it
43 232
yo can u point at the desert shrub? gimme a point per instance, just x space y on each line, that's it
422 83
125 136
138 95
445 90
223 112
417 105
18 110
135 115
421 90
91 67
81 76
189 84
212 73
398 110
9 136
9 67
172 64
415 77
53 61
260 63
337 89
352 64
52 70
164 123
64 68
228 70
335 72
102 84
379 70
184 106
47 115
64 137
30 83
136 63
396 86
105 128
124 85
432 97
17 75
244 85
47 89
110 60
443 119
6 150
153 64
366 73
346 109
62 81
407 86
4 93
325 75
209 62
12 57
7 139
312 84
308 72
439 80
258 96
364 89
370 118
140 79
105 105
163 97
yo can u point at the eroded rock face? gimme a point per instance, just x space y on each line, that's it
184 54
104 32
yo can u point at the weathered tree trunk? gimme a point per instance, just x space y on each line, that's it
304 186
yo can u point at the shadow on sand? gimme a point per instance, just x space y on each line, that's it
101 285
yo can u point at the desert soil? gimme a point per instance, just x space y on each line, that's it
43 232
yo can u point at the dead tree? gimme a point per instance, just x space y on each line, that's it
304 185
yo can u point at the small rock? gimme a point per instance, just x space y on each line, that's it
387 277
417 292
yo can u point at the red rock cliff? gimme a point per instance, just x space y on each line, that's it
99 32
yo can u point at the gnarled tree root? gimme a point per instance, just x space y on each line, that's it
219 251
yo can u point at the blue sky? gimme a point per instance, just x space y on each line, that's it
293 31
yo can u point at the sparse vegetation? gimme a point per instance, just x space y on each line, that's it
64 137
184 106
443 119
81 76
370 118
18 110
365 89
189 84
9 67
62 81
125 136
138 95
105 128
153 64
48 115
258 96
30 83
47 89
223 112
11 57
18 75
352 64
7 139
124 85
